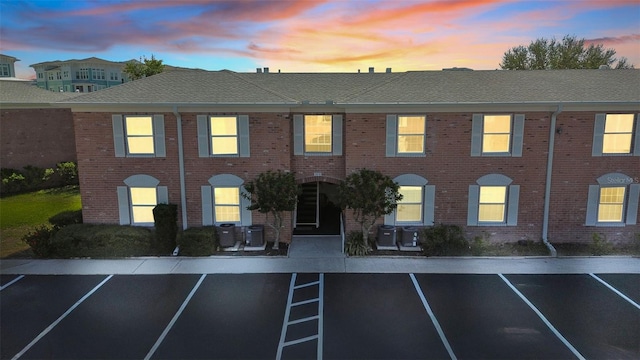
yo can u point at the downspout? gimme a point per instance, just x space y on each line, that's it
547 189
183 192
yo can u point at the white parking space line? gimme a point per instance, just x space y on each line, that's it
50 327
543 318
616 291
320 316
175 318
287 312
436 324
11 282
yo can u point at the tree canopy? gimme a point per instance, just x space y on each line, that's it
273 193
570 53
143 68
370 194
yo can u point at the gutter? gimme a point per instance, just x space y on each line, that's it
183 192
547 188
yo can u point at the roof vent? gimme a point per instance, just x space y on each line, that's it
371 70
265 70
604 67
388 70
259 70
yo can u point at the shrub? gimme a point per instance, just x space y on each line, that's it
12 181
198 241
599 245
356 244
65 218
444 240
39 240
101 241
68 172
165 217
478 246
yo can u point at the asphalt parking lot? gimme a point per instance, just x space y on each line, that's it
311 315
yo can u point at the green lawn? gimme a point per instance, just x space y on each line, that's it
19 214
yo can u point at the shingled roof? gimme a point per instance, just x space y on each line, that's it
18 93
414 87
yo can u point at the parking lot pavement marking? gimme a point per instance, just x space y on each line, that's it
66 313
436 324
11 282
290 304
615 291
175 318
543 318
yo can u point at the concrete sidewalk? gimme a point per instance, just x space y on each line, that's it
371 264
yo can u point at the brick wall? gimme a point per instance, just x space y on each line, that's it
574 169
36 137
447 165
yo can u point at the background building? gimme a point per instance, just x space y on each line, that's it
7 66
84 75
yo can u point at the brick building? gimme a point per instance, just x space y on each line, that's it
33 131
508 155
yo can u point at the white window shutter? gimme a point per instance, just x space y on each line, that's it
598 134
118 135
123 205
512 205
163 195
336 124
243 135
207 205
472 206
518 135
592 205
632 205
158 136
476 136
298 134
636 148
392 135
429 205
245 214
203 135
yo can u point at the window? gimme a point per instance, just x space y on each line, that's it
317 135
223 136
138 135
139 132
497 135
417 205
65 74
97 74
4 70
143 200
614 134
82 74
614 201
222 201
113 76
137 199
405 135
410 207
493 201
227 204
611 204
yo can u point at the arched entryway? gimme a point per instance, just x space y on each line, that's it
318 210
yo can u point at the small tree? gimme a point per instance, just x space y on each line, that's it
273 193
369 194
143 68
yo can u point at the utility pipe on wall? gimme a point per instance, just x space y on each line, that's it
547 189
183 192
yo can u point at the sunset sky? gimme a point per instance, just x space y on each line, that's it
307 36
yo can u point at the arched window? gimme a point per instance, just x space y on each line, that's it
418 202
223 203
493 202
137 199
614 201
